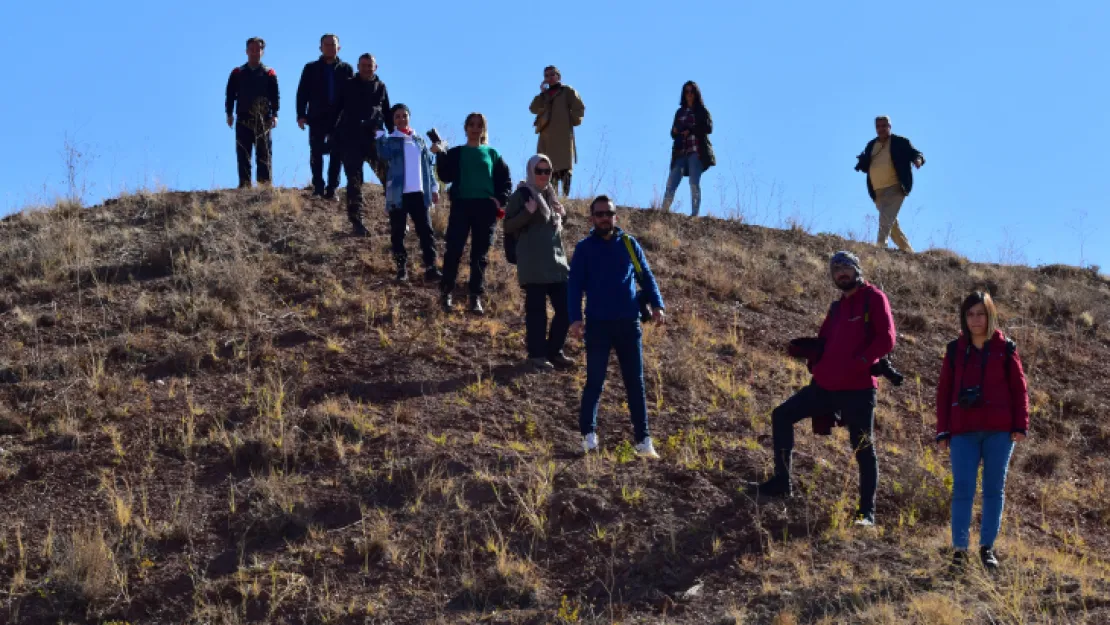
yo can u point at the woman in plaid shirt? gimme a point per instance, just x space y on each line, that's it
692 153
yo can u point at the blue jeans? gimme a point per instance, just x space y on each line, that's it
689 165
993 449
602 337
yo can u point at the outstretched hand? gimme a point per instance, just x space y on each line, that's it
1017 437
942 444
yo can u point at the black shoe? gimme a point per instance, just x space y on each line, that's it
561 361
329 195
432 274
777 486
958 566
476 305
317 193
446 302
402 273
990 561
358 229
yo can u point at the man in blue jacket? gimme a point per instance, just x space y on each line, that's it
604 268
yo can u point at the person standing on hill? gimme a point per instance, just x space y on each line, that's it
317 95
606 267
480 185
411 190
363 103
858 331
887 161
251 103
558 109
982 412
692 153
534 218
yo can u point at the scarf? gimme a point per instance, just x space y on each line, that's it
546 204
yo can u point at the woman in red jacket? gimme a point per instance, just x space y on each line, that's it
982 411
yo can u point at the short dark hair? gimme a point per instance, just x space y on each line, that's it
882 118
398 107
600 198
367 55
976 298
554 69
331 35
259 40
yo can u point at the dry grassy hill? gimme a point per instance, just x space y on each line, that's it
218 408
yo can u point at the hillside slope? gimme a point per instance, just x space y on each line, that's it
216 407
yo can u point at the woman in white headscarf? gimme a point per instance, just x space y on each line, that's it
534 220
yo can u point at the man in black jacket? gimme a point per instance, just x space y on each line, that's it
362 107
317 95
251 104
886 160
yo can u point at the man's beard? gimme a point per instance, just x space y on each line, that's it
847 284
606 231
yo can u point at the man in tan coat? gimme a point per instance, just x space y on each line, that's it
558 109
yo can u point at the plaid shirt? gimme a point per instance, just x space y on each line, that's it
686 122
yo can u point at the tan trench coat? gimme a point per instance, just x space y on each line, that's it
558 115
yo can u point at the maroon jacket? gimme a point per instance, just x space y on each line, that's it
1005 403
854 340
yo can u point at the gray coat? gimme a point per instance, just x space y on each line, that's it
540 256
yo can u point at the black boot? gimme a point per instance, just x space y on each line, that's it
446 302
432 274
779 485
357 227
990 561
402 272
958 566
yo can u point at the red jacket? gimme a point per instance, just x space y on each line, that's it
1005 403
854 340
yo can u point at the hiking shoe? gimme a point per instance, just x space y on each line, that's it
476 305
541 364
561 361
590 442
402 273
864 519
432 274
958 566
358 229
645 449
317 194
777 486
990 561
446 302
329 195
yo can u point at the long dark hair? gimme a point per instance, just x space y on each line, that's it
698 103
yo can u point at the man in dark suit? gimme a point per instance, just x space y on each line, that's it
317 95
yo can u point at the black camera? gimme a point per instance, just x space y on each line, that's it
885 369
970 396
644 301
433 136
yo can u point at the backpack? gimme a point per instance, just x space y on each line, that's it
641 293
510 240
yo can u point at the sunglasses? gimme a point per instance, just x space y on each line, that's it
687 91
542 172
604 214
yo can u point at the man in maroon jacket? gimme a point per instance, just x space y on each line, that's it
857 332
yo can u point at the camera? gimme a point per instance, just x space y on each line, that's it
970 396
885 369
644 302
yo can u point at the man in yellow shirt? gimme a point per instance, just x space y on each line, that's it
886 160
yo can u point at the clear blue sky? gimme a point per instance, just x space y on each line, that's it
1008 100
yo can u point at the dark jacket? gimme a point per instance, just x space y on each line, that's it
447 168
540 255
602 269
313 102
855 339
902 155
1004 406
703 126
364 105
252 92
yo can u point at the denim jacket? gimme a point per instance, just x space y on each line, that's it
392 150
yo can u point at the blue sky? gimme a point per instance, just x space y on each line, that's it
1008 101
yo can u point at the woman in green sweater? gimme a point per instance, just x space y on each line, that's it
535 217
480 186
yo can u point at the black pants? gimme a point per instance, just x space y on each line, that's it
857 411
248 140
476 219
322 139
540 343
563 175
359 148
412 205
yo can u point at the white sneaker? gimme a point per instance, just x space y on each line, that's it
589 442
645 449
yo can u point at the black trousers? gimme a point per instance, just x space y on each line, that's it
322 139
564 176
476 219
541 342
857 412
359 148
412 205
248 140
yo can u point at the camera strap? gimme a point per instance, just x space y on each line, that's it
982 367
